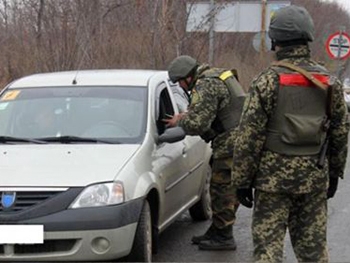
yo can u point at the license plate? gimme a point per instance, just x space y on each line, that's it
21 234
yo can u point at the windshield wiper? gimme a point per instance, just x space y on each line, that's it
74 139
6 139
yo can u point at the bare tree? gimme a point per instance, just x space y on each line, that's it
53 35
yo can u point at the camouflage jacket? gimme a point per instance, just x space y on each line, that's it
272 172
209 95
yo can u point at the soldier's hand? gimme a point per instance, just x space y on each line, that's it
245 196
332 188
173 120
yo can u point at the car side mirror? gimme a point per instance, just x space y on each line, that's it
171 135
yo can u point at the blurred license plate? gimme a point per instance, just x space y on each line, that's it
21 234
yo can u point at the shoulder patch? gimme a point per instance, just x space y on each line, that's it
194 96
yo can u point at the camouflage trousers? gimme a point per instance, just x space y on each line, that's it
223 194
305 217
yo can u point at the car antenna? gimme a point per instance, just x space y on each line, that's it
74 82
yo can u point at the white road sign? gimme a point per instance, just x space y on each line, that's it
338 45
236 16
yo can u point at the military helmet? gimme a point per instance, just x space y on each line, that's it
181 67
291 23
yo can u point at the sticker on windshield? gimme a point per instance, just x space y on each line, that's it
3 105
11 95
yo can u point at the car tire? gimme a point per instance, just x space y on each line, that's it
142 247
201 210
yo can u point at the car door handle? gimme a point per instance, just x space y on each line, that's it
184 150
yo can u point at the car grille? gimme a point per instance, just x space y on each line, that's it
62 245
27 199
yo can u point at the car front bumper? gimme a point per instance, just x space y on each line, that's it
85 234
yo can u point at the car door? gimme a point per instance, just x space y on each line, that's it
170 159
182 173
197 157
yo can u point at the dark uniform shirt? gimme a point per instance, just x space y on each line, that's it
273 172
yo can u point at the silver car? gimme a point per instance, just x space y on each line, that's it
89 170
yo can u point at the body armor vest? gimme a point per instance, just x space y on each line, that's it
298 124
227 118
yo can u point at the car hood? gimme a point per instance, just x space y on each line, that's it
61 165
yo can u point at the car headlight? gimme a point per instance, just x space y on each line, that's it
100 195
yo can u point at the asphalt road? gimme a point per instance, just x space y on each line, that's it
175 244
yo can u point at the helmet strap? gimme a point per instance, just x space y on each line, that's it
192 74
190 84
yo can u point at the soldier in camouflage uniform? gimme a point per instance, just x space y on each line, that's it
214 113
282 141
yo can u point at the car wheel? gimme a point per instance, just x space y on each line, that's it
142 248
202 209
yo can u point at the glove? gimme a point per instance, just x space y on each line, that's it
332 188
245 196
209 135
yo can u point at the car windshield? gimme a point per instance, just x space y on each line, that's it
70 114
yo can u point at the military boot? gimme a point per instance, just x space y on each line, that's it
221 240
206 236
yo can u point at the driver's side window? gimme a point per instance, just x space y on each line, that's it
165 109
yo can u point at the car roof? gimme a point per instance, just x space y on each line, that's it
101 77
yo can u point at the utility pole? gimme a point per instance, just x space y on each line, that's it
340 42
211 32
263 27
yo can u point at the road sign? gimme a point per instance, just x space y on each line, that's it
338 45
235 16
